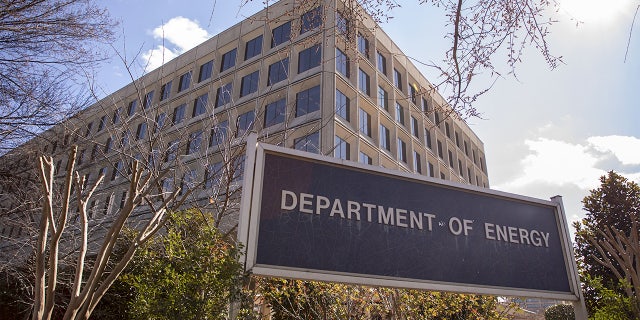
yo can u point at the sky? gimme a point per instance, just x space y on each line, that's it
546 132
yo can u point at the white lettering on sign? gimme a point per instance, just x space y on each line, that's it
535 238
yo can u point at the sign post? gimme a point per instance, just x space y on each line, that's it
320 218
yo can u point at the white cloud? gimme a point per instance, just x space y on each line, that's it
624 148
178 35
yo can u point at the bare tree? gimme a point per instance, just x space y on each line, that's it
44 46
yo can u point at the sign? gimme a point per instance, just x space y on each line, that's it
319 218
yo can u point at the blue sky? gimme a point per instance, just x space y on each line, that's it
546 133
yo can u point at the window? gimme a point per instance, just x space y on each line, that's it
123 199
309 143
80 157
399 114
188 181
212 175
101 125
440 150
148 99
107 204
165 91
178 113
431 171
342 105
172 151
381 62
397 79
342 63
142 131
195 141
245 123
311 20
281 34
249 83
124 140
402 150
437 118
341 150
185 81
116 170
365 122
442 176
450 158
309 58
228 60
364 158
413 93
200 105
86 133
425 105
219 133
278 71
205 71
94 152
385 138
160 119
414 127
447 130
363 45
114 120
417 166
108 145
383 102
131 109
363 81
466 148
342 24
223 95
457 139
275 112
460 168
167 184
427 138
308 101
253 47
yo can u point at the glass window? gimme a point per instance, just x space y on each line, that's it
385 138
141 132
425 105
205 71
148 99
365 122
86 133
383 101
447 130
382 63
80 157
466 148
172 151
309 143
114 120
450 158
219 133
414 127
188 181
311 20
124 140
123 199
278 71
457 139
117 169
94 152
200 105
399 114
308 101
341 150
101 125
427 138
253 47
460 168
417 166
402 150
275 112
212 175
178 113
363 81
108 145
342 24
228 60
397 79
185 81
131 109
342 105
342 63
440 150
309 58
363 45
223 94
364 158
165 91
245 123
195 141
281 34
413 93
160 119
249 83
431 170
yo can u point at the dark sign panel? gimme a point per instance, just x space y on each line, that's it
328 218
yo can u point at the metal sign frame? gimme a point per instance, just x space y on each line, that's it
250 217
